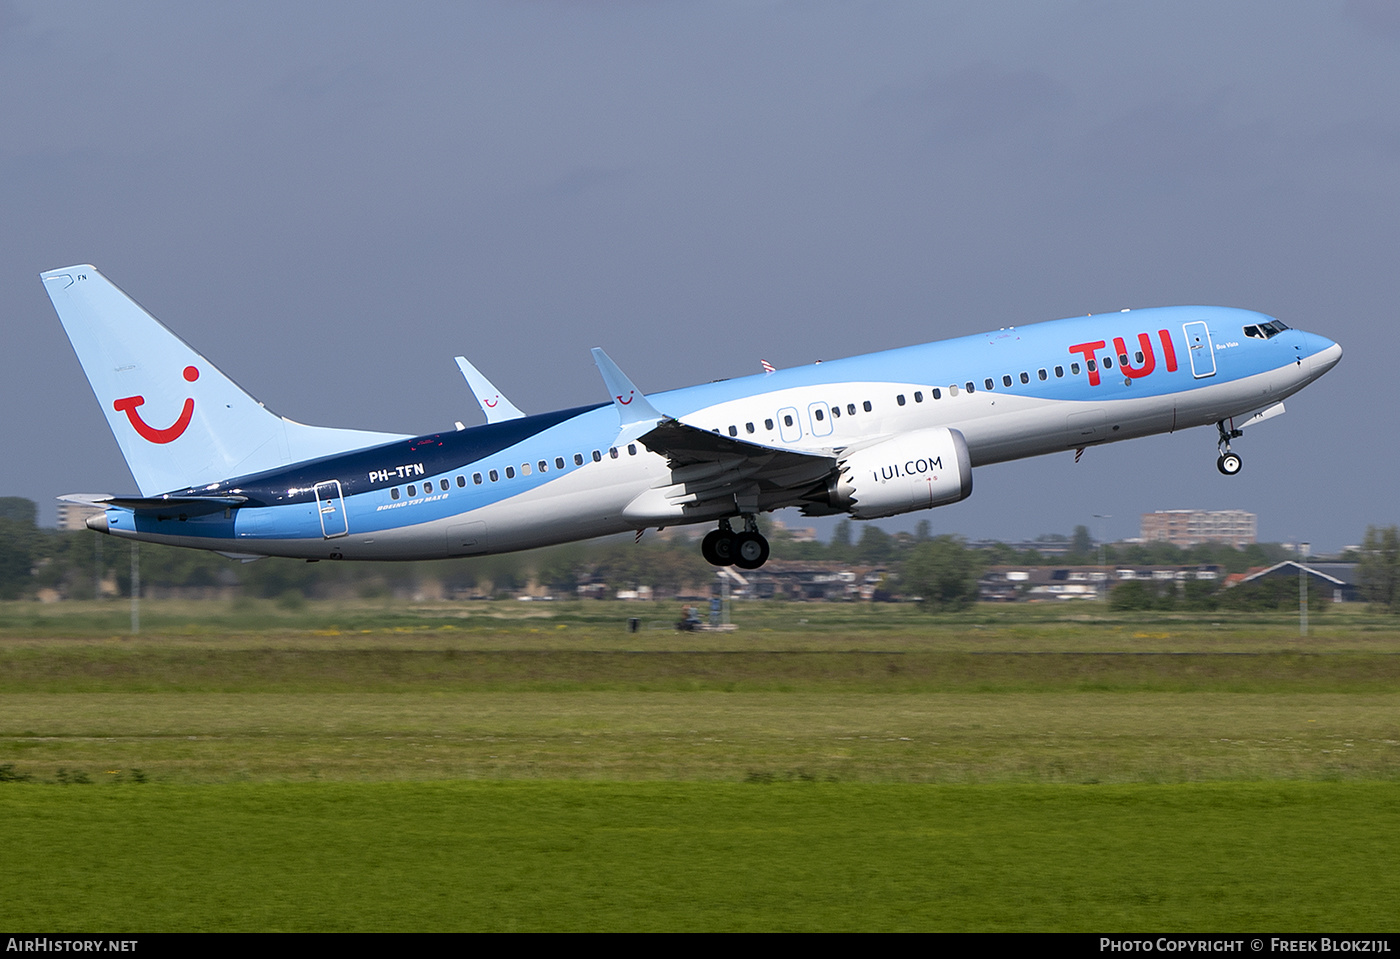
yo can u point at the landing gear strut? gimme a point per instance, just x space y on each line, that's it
724 547
1229 462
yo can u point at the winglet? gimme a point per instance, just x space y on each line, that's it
496 407
631 404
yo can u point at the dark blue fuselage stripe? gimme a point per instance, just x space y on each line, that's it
436 452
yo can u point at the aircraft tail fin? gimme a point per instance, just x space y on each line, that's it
180 422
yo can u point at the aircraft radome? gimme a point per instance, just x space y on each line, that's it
868 436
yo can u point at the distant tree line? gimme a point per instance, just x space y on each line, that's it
942 571
1378 567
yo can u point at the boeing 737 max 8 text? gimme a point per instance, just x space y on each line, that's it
868 436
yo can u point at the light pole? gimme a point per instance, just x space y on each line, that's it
1302 589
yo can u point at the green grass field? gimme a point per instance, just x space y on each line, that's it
536 766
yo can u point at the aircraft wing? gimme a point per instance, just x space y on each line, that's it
708 466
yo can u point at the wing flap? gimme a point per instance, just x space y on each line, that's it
707 467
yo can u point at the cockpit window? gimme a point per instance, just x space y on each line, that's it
1265 331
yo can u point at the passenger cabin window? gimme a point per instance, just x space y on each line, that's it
558 462
1074 368
787 419
1025 377
597 457
851 409
524 469
462 482
748 428
631 449
821 417
476 479
768 424
1005 381
733 431
898 399
578 459
1059 371
412 490
1042 374
989 383
866 406
1107 362
510 472
543 465
612 451
494 476
936 393
970 388
394 493
918 396
1092 366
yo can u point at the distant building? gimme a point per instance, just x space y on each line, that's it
75 515
1005 584
1187 527
1045 547
1339 578
796 534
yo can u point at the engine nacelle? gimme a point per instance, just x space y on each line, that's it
916 470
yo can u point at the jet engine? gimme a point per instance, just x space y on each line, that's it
917 470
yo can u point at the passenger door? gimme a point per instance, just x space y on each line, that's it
330 504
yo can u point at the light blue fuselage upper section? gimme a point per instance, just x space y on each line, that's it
1015 392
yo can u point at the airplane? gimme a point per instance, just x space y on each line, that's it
869 436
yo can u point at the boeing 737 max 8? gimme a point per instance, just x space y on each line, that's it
868 436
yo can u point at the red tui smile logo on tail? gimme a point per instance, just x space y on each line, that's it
150 433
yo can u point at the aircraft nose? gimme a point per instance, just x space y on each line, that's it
1322 352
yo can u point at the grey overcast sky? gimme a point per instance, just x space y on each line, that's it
332 199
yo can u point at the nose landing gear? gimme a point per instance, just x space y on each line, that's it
1228 462
724 547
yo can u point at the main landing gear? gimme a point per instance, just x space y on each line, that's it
724 547
1228 463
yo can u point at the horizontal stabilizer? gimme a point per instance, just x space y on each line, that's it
159 505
